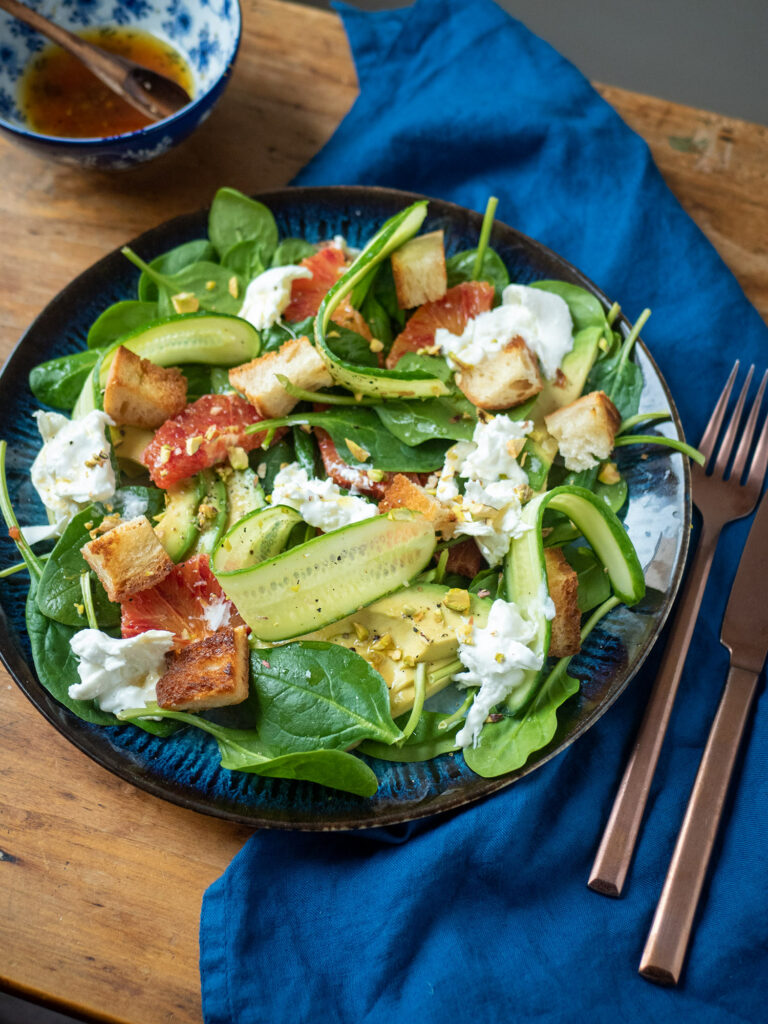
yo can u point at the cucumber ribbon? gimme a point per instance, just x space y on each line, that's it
372 380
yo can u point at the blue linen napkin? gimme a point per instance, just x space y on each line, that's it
484 915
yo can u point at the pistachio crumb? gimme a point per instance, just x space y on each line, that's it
185 302
457 600
360 631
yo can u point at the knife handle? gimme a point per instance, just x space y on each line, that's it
670 932
617 846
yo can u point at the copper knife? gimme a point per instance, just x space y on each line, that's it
745 634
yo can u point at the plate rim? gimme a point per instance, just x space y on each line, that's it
114 761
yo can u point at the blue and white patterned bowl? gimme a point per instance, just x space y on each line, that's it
205 32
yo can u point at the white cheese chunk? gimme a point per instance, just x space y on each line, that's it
73 468
119 674
268 294
319 502
496 660
542 319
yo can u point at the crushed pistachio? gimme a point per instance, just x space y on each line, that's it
206 513
233 287
500 658
515 445
238 457
396 655
409 661
376 345
210 433
193 443
457 600
360 453
609 473
185 302
360 631
377 475
210 286
165 454
80 609
383 643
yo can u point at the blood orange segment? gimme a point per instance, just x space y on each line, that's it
199 437
189 602
327 265
350 476
459 305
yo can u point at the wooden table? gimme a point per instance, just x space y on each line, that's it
100 884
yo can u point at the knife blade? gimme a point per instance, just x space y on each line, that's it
745 626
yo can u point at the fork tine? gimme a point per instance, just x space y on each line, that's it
707 443
732 429
744 445
760 458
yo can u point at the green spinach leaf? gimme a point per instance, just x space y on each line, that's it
291 251
378 320
383 289
433 366
59 382
245 259
205 380
172 262
272 460
217 289
350 346
594 584
319 695
427 740
236 218
621 379
305 447
277 334
242 750
487 579
120 319
460 267
414 422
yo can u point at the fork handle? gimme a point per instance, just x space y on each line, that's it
617 846
668 938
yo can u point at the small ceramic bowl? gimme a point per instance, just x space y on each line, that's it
205 32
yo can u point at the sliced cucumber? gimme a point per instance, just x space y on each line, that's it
212 338
178 528
316 583
372 380
256 537
211 513
244 495
525 574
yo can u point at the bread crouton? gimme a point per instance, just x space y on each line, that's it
500 381
209 673
140 393
296 359
418 268
585 430
128 558
563 585
404 493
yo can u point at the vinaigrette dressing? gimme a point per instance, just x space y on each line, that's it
60 96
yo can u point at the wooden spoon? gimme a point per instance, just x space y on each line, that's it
155 95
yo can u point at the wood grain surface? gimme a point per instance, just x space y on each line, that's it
100 884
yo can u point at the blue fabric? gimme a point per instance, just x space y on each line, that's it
485 916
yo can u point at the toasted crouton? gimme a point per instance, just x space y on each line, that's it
209 673
563 585
141 394
418 268
404 493
127 559
500 381
297 359
585 430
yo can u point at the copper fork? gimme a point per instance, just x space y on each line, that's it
720 498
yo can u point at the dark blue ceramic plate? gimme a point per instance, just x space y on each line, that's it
184 768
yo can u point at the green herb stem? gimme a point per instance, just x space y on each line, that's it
445 672
459 713
419 694
90 611
666 442
485 235
613 313
31 560
19 567
442 562
151 273
643 417
320 396
600 612
634 334
445 545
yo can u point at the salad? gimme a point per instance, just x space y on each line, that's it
295 490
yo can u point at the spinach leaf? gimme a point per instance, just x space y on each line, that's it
594 584
350 346
460 267
277 334
363 428
425 742
236 218
216 288
487 579
305 447
119 319
413 422
245 259
172 262
56 668
59 594
242 750
291 251
432 366
621 379
59 382
314 695
205 380
378 320
272 460
506 745
383 289
586 310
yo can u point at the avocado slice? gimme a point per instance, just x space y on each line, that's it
410 626
244 495
177 529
